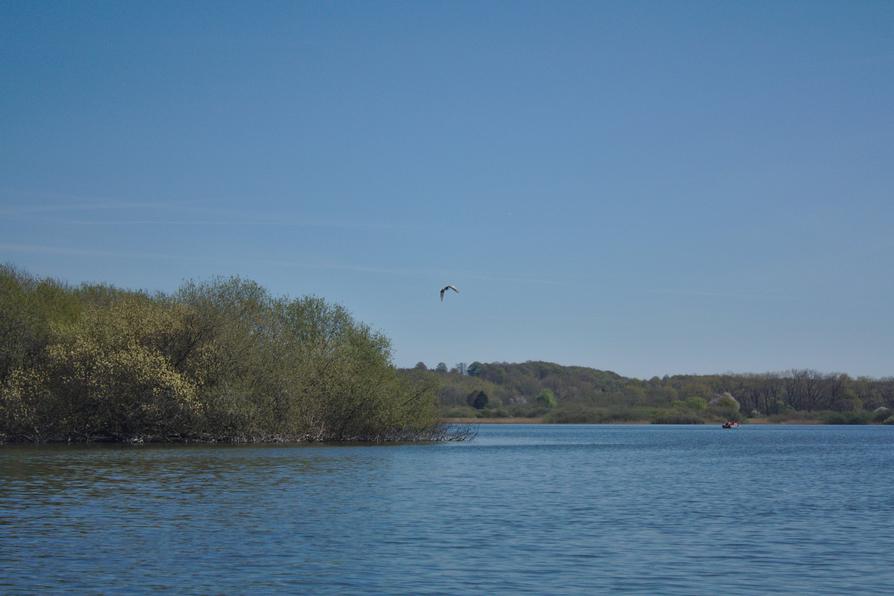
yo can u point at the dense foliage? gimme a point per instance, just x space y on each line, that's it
579 394
219 361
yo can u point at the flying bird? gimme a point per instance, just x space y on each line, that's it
445 288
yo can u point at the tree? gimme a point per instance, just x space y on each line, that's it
222 360
477 399
441 367
107 376
725 405
696 403
420 366
547 399
474 369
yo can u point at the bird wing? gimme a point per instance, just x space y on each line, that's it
442 294
453 288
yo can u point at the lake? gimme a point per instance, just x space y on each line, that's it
528 508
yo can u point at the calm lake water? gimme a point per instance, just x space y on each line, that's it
540 509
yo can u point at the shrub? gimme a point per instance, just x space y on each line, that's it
216 361
677 418
460 412
577 414
846 417
546 399
477 399
724 406
790 415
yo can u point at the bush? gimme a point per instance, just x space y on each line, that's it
576 414
846 418
724 406
698 404
790 415
527 411
477 399
460 412
546 399
677 418
573 416
217 361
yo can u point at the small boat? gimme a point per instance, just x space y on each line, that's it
730 424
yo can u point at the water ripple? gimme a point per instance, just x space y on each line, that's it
578 509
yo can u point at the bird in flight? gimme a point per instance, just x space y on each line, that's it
445 288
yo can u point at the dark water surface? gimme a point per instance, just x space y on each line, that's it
541 509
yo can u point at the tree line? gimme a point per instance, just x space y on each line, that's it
581 394
214 361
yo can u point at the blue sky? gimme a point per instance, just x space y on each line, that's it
646 187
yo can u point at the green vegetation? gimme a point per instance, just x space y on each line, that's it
547 399
574 394
218 361
477 399
226 361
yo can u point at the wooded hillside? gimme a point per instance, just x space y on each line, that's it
580 394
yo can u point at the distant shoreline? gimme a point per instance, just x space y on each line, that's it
492 421
761 421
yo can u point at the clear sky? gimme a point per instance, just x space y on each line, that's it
646 187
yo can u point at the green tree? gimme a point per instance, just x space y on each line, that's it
106 376
547 399
724 405
696 403
477 399
221 360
